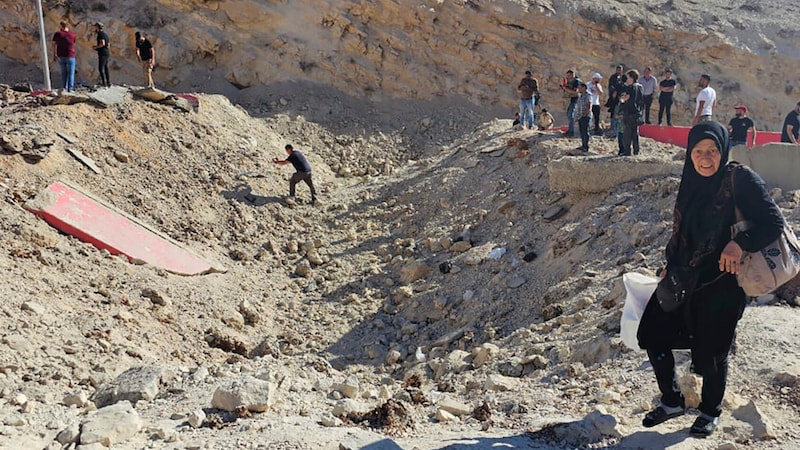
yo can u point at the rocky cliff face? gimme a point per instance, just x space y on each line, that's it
434 49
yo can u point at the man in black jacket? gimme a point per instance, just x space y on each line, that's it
632 99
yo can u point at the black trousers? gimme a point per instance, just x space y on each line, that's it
583 128
596 114
630 134
648 102
714 372
102 61
665 105
302 176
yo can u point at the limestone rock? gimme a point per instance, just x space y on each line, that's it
495 382
349 388
256 395
482 354
196 418
690 385
157 297
459 247
134 385
69 435
345 407
445 416
111 425
79 399
454 407
753 414
33 307
413 271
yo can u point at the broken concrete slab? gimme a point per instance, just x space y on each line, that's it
66 137
108 96
88 218
85 160
778 163
597 174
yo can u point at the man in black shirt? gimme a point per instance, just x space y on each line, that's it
146 55
666 88
791 126
738 127
303 171
103 53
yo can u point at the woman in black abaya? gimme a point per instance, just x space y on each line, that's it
701 240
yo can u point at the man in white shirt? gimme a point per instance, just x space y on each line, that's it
595 90
649 84
706 101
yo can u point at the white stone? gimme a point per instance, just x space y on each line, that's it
196 418
19 399
444 416
484 353
345 407
69 435
454 406
256 395
330 421
607 397
349 388
752 413
111 425
33 307
79 399
495 382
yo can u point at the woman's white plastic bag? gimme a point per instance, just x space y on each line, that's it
639 288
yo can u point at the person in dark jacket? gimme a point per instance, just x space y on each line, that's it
632 99
701 241
103 53
302 171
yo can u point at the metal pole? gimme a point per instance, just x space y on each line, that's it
43 39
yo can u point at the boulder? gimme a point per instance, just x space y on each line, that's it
256 395
111 425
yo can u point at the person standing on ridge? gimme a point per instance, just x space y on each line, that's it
570 87
666 89
146 55
583 114
706 101
738 127
64 53
632 102
791 126
103 53
649 84
595 89
527 88
302 171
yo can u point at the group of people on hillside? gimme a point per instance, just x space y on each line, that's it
629 103
64 53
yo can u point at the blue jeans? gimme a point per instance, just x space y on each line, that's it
571 116
67 73
526 112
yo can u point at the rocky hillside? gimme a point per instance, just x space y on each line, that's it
448 299
422 50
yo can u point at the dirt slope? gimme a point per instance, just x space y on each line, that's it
373 305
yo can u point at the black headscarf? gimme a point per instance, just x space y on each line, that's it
704 206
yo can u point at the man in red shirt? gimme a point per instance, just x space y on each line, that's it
64 53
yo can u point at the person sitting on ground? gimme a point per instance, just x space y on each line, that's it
546 120
703 253
302 168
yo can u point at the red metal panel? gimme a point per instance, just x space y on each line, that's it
77 214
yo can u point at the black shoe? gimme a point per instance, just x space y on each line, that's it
660 415
704 426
